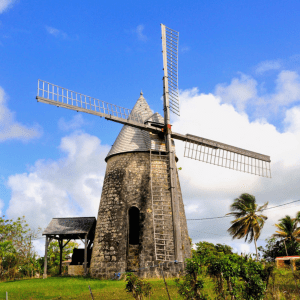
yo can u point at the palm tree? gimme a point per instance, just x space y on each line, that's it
288 230
248 222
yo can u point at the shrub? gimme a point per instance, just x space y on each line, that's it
137 287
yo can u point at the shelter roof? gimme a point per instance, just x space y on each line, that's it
287 257
70 226
131 139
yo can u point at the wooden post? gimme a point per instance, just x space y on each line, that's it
85 255
60 242
45 260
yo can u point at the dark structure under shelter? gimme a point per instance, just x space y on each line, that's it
60 229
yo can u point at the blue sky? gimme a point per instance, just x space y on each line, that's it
239 66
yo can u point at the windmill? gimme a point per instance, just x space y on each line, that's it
141 219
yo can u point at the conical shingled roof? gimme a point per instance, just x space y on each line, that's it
155 118
134 139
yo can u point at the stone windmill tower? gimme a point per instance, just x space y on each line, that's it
135 220
141 220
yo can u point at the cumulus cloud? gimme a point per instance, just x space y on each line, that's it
239 91
292 120
209 190
287 88
6 4
56 32
12 129
70 186
76 122
242 93
267 66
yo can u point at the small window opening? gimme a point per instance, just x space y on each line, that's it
134 225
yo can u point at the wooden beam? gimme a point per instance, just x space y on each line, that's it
66 243
81 239
60 242
85 255
47 242
96 113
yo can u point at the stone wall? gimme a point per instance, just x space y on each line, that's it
76 270
127 184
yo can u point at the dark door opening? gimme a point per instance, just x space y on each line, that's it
134 225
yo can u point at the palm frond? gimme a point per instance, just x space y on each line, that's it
248 223
263 207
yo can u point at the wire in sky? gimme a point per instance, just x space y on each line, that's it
230 216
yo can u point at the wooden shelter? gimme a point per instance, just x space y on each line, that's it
60 229
281 259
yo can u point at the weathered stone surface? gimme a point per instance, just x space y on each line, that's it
76 270
127 184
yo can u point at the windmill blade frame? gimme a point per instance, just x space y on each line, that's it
61 97
225 155
170 40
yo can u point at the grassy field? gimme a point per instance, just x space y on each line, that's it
77 288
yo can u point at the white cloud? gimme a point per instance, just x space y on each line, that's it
140 34
267 66
209 190
239 92
287 88
242 92
56 32
70 186
292 120
6 4
76 122
10 128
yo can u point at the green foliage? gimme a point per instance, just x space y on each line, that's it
16 251
137 287
234 276
191 287
192 284
53 257
275 248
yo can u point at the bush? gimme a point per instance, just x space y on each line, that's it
137 287
235 277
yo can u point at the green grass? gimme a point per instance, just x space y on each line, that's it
77 288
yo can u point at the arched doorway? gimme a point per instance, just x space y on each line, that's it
134 225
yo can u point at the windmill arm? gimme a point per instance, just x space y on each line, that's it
224 155
134 124
217 145
110 117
